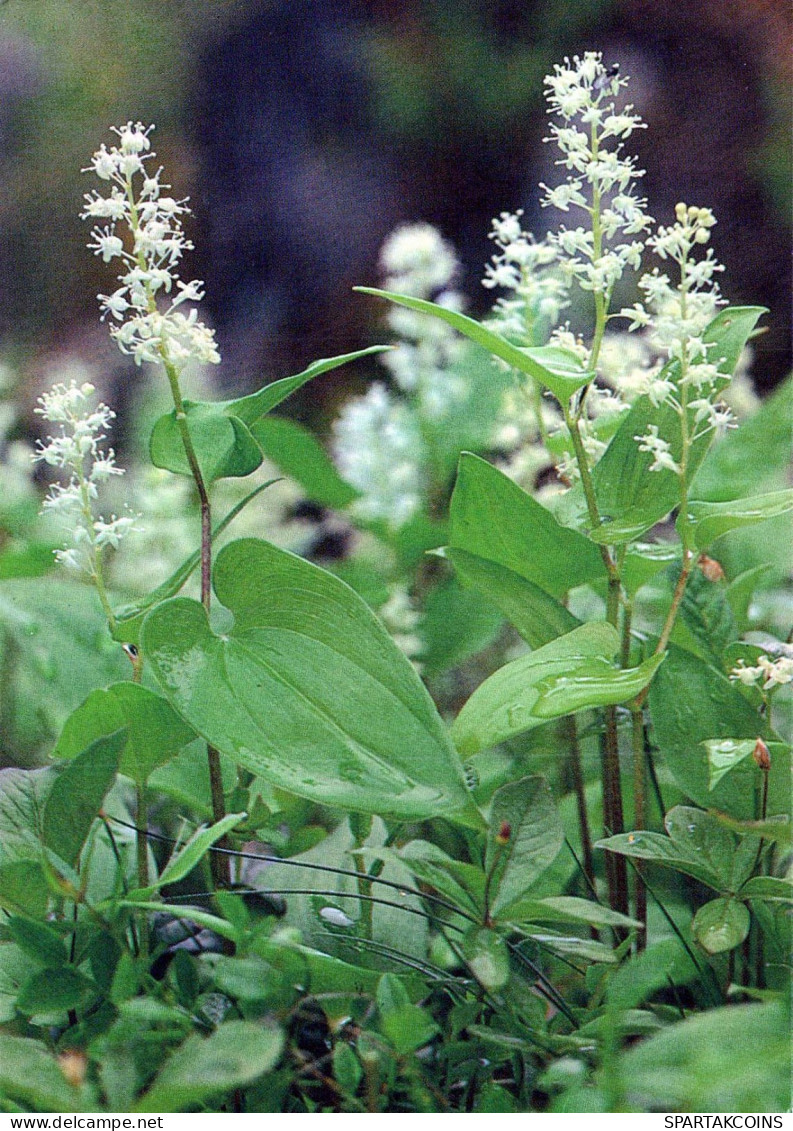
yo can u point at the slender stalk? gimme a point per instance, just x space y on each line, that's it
577 774
221 872
141 840
639 816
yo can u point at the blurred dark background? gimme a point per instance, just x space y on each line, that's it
305 130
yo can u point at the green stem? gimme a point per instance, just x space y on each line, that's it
221 871
639 815
579 788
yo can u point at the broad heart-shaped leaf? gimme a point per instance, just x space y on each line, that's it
308 689
220 430
294 451
493 518
129 618
223 443
537 616
721 925
691 703
235 1054
714 519
557 369
155 733
596 684
77 794
631 498
524 839
503 705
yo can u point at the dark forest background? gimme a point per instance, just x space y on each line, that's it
305 130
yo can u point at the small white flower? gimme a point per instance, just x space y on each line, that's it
136 199
77 451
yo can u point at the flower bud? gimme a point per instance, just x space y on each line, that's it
73 1065
711 568
762 756
504 833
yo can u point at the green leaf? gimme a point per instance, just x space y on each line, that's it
721 925
220 430
408 1028
252 407
714 519
236 1054
155 733
524 838
503 705
221 927
494 519
487 957
24 888
54 650
457 623
306 871
768 887
691 703
661 850
661 964
644 560
732 1059
23 794
391 994
596 684
307 689
703 838
461 884
38 940
707 615
538 617
631 498
15 969
568 909
753 457
223 444
347 1068
56 990
557 369
724 754
77 794
777 829
191 854
130 617
294 451
31 1076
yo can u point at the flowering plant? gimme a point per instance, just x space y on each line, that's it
400 911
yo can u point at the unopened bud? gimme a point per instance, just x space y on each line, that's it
702 235
73 1065
681 213
504 833
762 756
711 568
